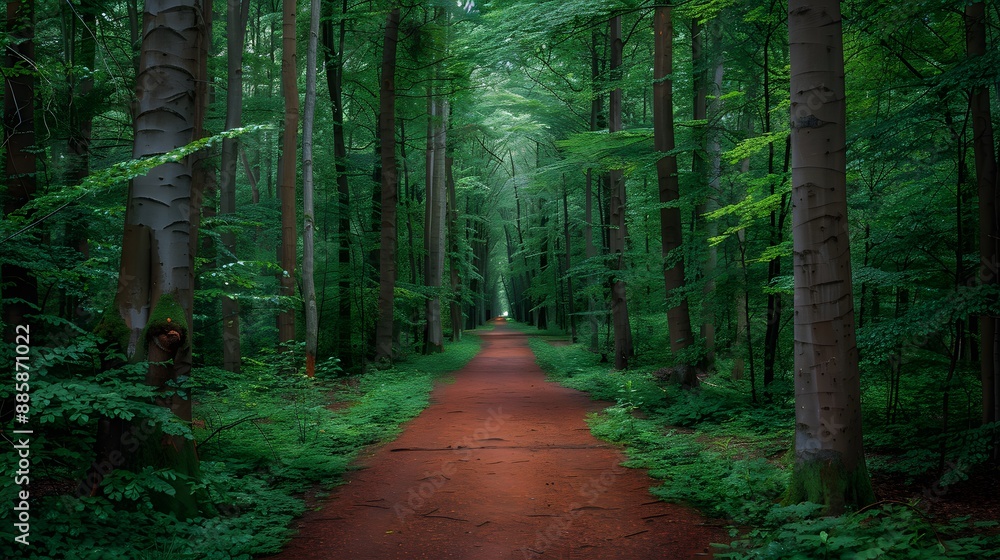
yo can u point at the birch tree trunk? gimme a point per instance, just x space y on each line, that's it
387 130
829 456
308 212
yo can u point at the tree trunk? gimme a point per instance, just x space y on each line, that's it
308 212
700 166
525 279
619 233
19 143
713 148
387 132
286 186
454 262
590 248
989 238
774 301
154 298
237 13
334 57
434 233
542 320
777 231
570 303
678 317
81 116
829 456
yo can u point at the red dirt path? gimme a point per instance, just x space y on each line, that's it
500 466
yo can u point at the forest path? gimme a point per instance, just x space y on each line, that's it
501 465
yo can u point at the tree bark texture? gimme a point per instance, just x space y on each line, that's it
155 294
308 210
678 316
389 198
829 456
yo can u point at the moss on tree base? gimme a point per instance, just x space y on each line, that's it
823 478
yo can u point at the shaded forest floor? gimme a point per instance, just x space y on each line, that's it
978 498
501 465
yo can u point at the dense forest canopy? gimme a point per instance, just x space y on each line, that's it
792 200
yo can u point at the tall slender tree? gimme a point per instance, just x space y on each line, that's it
334 58
678 317
387 131
308 210
436 196
454 259
237 14
21 288
829 456
590 248
619 233
989 237
81 59
286 183
434 227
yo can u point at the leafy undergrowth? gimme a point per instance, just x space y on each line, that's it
714 451
265 438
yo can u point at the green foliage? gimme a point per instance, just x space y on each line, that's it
267 436
889 531
711 473
714 451
16 224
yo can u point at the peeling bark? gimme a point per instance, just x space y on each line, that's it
154 297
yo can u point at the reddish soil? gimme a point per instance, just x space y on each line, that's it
500 466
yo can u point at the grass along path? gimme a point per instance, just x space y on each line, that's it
501 465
